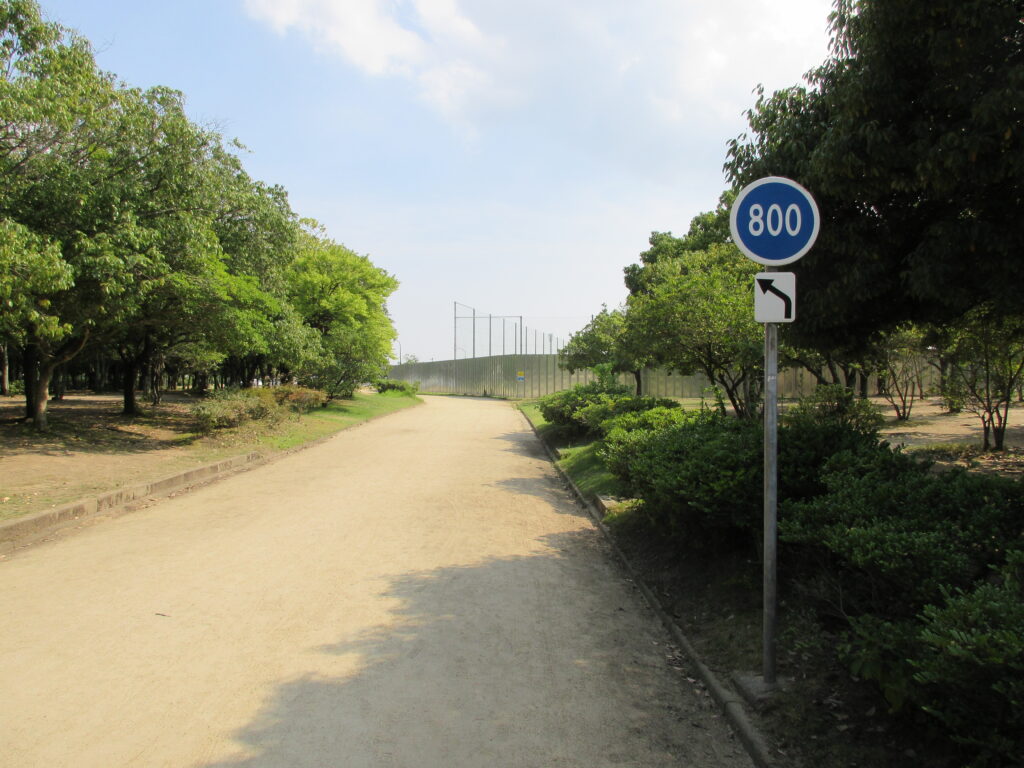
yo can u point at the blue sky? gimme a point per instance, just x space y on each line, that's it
511 156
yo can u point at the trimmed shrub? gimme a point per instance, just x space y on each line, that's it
909 556
599 415
230 407
830 421
561 408
700 477
902 533
299 399
704 472
624 434
969 667
409 388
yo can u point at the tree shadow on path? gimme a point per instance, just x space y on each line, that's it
539 660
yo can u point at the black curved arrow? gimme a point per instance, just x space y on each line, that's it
768 286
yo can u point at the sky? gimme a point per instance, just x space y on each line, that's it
509 155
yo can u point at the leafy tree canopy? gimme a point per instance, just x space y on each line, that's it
910 138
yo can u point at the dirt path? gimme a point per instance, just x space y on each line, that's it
420 591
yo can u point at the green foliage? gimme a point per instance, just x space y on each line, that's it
706 230
603 341
298 399
694 315
623 433
30 270
908 555
126 226
701 473
901 359
828 421
907 136
342 296
902 533
987 366
969 665
599 415
231 407
409 388
562 408
699 478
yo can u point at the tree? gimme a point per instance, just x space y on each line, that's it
58 117
901 362
909 137
696 316
343 297
706 229
987 367
606 340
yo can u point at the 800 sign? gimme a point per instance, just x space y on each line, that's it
774 221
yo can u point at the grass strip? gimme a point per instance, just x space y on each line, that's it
578 458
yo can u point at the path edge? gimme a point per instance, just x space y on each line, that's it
35 527
729 702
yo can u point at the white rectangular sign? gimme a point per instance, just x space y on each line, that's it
775 297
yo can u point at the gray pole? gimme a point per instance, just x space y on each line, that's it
490 335
503 337
474 332
455 330
771 396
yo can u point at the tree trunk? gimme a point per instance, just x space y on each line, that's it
639 383
59 383
154 382
30 362
129 377
40 391
5 372
833 372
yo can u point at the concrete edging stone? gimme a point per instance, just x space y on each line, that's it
730 703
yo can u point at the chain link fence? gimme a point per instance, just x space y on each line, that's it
523 377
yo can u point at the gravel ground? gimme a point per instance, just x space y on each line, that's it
420 591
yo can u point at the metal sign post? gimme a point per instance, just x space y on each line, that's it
771 498
774 222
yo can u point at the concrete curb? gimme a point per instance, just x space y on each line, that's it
730 702
35 526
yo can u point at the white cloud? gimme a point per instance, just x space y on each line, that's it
428 41
474 60
360 30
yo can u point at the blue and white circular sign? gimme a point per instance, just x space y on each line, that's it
774 221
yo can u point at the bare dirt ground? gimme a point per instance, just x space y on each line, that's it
90 449
956 438
420 591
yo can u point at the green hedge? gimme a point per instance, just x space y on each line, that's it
409 388
701 475
231 407
925 568
564 409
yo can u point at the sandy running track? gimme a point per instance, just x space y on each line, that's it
417 592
